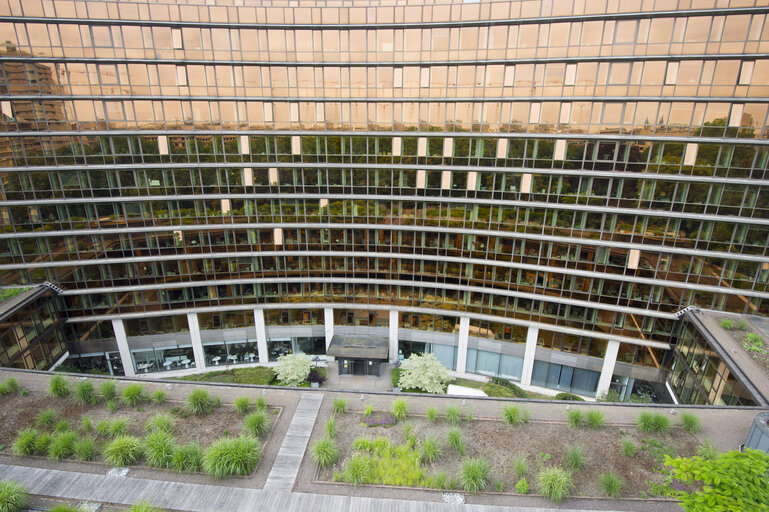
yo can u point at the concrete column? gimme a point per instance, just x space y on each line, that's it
528 355
464 332
394 318
607 371
197 342
261 336
328 317
122 346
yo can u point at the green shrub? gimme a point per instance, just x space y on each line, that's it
754 343
118 427
331 428
399 409
62 445
629 448
123 451
160 422
87 423
432 414
85 393
610 395
727 324
369 410
133 394
103 427
111 405
143 506
8 386
595 419
690 423
243 404
339 406
503 388
58 386
108 390
519 466
454 437
611 484
554 483
187 458
46 418
84 449
159 447
438 481
199 402
515 415
742 325
61 426
453 415
707 450
13 496
653 423
159 397
256 423
474 474
575 418
227 457
575 458
26 442
430 450
357 471
522 487
324 452
260 403
569 396
43 442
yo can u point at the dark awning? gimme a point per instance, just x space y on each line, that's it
359 346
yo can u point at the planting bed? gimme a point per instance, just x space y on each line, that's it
544 444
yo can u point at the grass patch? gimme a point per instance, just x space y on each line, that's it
399 409
611 484
257 423
453 415
454 438
575 418
47 418
474 474
339 406
520 466
629 448
85 393
160 422
243 404
357 471
8 386
61 426
62 445
13 496
260 403
58 386
575 458
384 463
430 449
258 375
118 427
187 458
199 402
159 447
143 506
227 457
133 394
123 451
84 449
432 414
653 423
159 397
515 415
727 324
595 419
26 442
707 450
690 423
369 410
108 390
324 452
554 483
331 428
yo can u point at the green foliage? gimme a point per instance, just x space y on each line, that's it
159 397
257 375
515 415
61 426
43 442
324 452
7 293
569 397
13 496
331 428
8 386
103 427
707 450
63 507
199 402
62 445
143 506
575 458
369 410
26 442
653 423
474 474
432 414
629 448
510 389
111 405
133 394
160 422
108 390
58 386
430 449
123 451
85 393
84 449
519 466
293 369
187 458
611 484
575 418
358 470
732 481
260 403
256 423
611 395
690 423
385 464
438 481
453 415
159 447
554 483
423 372
470 414
339 406
454 437
754 343
243 404
595 419
226 457
522 487
87 423
742 325
399 409
47 418
118 427
726 323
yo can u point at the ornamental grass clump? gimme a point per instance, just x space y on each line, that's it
13 496
159 447
339 406
85 393
26 442
331 428
232 456
143 506
118 427
133 394
575 458
61 426
611 484
47 418
84 449
629 448
159 397
199 402
324 452
595 419
432 414
160 422
515 415
62 445
187 458
358 470
454 437
123 451
8 386
474 474
653 423
399 409
575 418
707 450
554 483
43 441
243 404
690 423
58 386
256 423
108 390
369 410
453 415
260 403
520 466
430 449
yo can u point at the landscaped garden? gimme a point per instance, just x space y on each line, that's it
451 448
100 421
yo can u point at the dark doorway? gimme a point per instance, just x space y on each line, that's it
359 367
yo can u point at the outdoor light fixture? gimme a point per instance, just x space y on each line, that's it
362 398
316 359
568 407
169 386
264 392
672 411
464 402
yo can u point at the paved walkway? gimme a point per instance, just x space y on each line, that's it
286 466
207 498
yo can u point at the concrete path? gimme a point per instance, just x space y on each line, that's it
206 498
286 466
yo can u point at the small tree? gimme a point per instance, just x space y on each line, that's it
293 369
732 481
424 372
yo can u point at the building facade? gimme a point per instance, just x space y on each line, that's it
528 189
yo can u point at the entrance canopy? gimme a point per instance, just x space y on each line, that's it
356 346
